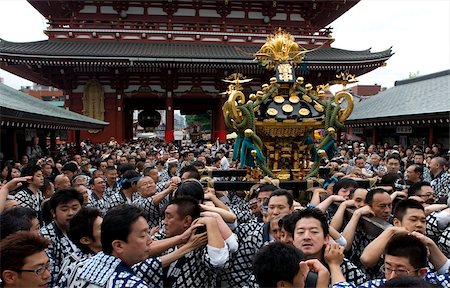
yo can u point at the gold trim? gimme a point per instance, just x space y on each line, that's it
294 99
272 112
278 99
304 111
307 98
287 108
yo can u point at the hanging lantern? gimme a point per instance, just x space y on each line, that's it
149 118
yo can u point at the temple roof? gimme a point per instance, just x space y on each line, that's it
171 52
22 110
419 96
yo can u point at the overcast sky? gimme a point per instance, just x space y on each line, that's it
418 31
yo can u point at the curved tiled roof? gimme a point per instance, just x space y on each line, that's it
208 52
428 94
18 107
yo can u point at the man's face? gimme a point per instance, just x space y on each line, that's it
64 212
190 156
31 279
146 186
102 166
359 197
110 162
153 173
263 197
99 185
138 243
38 179
278 205
35 226
398 266
411 174
111 176
286 237
77 158
173 223
309 237
418 159
426 193
83 191
123 160
434 167
96 244
47 170
360 163
275 229
382 205
413 220
393 166
68 173
345 192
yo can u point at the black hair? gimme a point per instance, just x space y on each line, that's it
276 262
193 172
64 196
371 193
127 178
30 171
418 168
407 281
266 188
307 213
394 156
16 219
389 179
283 192
198 163
410 247
186 206
416 187
117 224
344 183
192 188
46 212
82 225
123 168
403 205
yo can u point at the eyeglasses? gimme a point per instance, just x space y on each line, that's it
38 271
398 272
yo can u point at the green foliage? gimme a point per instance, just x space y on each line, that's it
201 119
414 75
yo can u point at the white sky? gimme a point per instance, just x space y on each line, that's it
418 30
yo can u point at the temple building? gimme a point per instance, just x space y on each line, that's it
113 57
414 111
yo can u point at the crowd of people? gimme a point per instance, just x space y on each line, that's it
139 214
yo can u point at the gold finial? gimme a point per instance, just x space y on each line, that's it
280 48
345 79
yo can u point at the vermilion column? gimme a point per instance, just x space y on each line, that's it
169 118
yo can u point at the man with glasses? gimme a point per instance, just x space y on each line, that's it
23 262
406 255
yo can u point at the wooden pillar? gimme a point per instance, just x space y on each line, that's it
77 141
219 127
431 135
169 118
374 135
52 143
15 147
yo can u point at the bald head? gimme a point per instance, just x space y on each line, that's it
62 182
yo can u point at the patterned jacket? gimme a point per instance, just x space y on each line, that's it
441 184
60 248
26 198
430 277
104 270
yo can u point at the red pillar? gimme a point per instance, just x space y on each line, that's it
219 129
431 135
169 118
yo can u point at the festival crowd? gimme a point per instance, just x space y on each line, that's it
141 214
